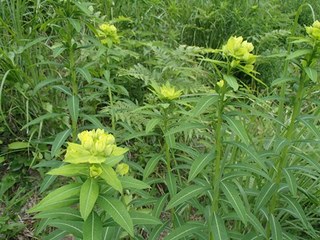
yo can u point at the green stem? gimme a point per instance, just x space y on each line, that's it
113 120
217 163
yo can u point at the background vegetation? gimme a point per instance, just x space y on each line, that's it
248 154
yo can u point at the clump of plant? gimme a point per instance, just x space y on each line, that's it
98 194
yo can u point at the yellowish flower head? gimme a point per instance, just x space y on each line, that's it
168 92
240 50
314 30
95 147
220 83
122 169
107 33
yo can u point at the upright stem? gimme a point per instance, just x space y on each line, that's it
73 79
217 166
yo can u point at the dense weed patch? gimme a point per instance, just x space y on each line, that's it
159 119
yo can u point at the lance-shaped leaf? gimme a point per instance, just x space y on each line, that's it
199 164
265 194
117 211
291 181
56 235
171 183
151 165
130 182
59 141
140 218
73 106
57 196
203 104
88 196
188 229
219 231
66 213
73 227
237 127
92 228
110 176
232 81
276 231
70 170
186 194
156 232
233 198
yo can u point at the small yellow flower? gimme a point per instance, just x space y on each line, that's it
122 169
314 30
168 92
107 33
220 83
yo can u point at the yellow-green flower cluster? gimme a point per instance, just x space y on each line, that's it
96 146
241 52
169 92
107 33
314 30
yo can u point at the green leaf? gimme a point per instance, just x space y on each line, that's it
132 183
283 80
151 165
170 140
110 176
93 119
71 170
46 182
110 233
291 181
276 231
85 73
73 227
298 53
59 141
297 211
233 198
265 195
18 145
41 119
185 126
92 228
232 81
218 229
159 205
63 89
44 83
62 193
117 211
140 218
256 224
203 104
237 127
186 194
157 231
151 124
75 23
88 195
312 74
188 229
171 183
199 164
56 235
312 127
60 213
73 106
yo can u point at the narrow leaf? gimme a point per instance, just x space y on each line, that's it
130 182
110 176
237 127
199 164
233 198
188 229
157 231
117 211
151 124
299 53
256 224
73 106
41 118
93 119
171 183
60 213
92 228
70 170
140 218
203 104
185 194
88 196
218 229
291 181
73 227
185 126
159 206
151 165
59 141
265 195
85 74
232 81
18 145
276 231
312 74
56 235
